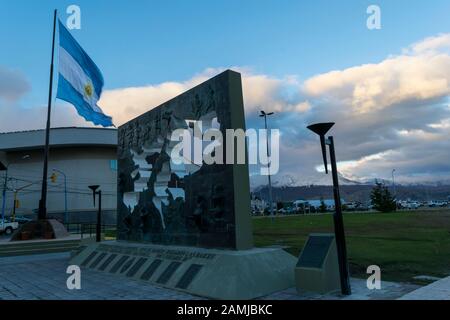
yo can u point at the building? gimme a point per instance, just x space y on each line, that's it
78 157
258 205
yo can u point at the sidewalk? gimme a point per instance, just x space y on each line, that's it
439 290
43 277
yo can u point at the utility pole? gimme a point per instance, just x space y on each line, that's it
393 185
65 195
5 183
265 115
5 186
16 191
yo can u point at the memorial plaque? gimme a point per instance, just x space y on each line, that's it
89 258
165 276
119 264
127 265
97 260
188 276
151 269
107 262
315 251
193 203
136 267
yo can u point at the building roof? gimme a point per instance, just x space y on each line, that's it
59 137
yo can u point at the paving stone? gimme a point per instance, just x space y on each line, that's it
44 277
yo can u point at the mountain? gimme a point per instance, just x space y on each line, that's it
326 180
355 192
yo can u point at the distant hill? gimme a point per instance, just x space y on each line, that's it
360 192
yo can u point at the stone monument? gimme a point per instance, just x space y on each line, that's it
187 225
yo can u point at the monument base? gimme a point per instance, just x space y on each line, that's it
40 229
212 273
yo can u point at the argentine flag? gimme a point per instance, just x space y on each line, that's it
80 82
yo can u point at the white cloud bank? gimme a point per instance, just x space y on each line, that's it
390 114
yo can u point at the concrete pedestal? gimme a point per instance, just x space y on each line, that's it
218 274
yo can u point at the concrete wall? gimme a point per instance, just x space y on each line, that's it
83 166
59 137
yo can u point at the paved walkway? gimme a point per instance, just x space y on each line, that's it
43 277
38 277
439 290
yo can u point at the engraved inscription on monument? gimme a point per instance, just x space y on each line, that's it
191 204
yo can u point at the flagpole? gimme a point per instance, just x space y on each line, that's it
42 215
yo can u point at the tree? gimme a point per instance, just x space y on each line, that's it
382 200
323 206
280 205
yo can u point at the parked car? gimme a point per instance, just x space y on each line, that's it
410 205
437 204
8 227
22 219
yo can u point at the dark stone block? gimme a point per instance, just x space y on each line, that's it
214 198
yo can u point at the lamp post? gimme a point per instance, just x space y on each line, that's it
393 185
99 212
65 194
321 129
5 183
16 191
265 115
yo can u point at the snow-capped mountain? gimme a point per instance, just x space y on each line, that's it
288 180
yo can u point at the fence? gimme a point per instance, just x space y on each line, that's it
89 229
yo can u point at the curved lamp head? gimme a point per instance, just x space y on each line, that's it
94 188
264 114
321 129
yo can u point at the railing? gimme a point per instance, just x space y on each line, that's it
90 229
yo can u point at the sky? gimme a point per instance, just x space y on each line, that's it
387 90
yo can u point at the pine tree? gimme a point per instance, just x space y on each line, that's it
323 206
382 199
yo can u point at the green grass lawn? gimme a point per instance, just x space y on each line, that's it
403 244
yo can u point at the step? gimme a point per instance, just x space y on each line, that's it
19 245
31 252
25 248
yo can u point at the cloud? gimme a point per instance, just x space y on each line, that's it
15 117
390 114
260 91
430 45
393 81
13 85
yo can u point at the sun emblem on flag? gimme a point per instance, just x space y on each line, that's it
88 90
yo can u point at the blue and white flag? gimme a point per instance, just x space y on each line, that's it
80 82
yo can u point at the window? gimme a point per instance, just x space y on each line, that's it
113 165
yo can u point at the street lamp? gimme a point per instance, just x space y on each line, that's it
65 194
321 129
5 187
393 185
99 212
265 115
